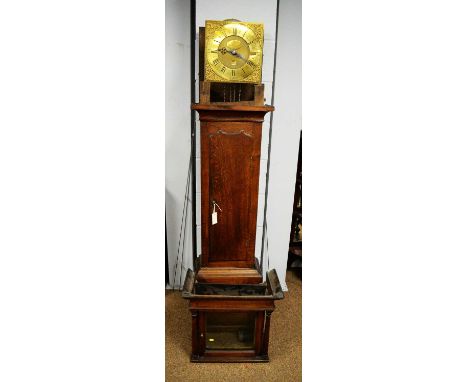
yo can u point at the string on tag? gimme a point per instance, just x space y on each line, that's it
216 205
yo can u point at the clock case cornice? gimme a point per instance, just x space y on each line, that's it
231 112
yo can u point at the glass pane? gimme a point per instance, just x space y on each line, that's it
228 330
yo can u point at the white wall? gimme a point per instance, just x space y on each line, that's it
177 128
287 124
285 129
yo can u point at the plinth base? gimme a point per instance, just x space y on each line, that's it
229 275
231 323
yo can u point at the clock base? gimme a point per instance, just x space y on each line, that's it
229 275
231 323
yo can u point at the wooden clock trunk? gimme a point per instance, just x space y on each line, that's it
230 306
230 137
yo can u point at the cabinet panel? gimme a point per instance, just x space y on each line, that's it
231 159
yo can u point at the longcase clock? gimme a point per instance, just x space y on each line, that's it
231 112
229 303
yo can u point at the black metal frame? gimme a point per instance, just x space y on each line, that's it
193 132
267 177
167 258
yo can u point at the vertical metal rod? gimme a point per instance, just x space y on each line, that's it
193 35
167 259
269 143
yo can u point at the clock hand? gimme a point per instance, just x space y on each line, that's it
234 53
222 50
241 56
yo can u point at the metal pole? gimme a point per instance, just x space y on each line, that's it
193 128
269 142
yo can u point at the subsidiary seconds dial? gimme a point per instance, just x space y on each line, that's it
234 53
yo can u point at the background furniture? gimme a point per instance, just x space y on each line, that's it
295 238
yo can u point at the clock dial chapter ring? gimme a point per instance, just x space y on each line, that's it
232 52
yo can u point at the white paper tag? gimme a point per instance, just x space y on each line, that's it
214 218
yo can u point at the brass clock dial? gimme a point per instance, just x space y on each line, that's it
233 51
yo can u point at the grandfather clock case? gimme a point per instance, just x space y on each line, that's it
229 302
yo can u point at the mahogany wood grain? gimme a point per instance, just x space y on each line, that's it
227 304
266 334
195 330
201 333
232 106
230 138
227 275
232 168
259 323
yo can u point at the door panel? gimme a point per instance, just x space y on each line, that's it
233 170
